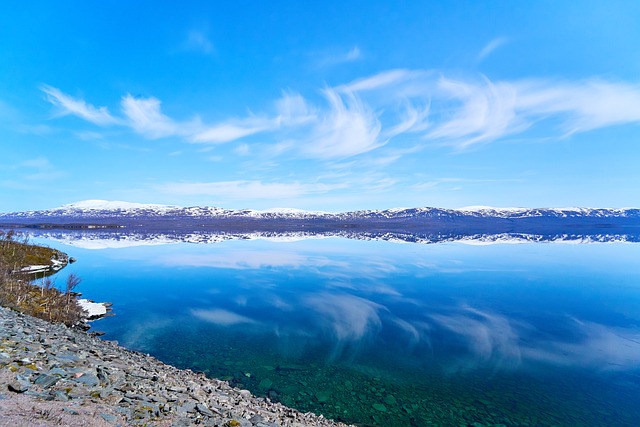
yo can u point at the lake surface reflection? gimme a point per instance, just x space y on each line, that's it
382 333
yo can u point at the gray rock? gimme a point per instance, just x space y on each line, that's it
46 381
17 387
59 372
181 422
256 419
204 410
60 396
126 412
111 419
41 396
188 407
66 357
147 410
136 396
102 375
87 379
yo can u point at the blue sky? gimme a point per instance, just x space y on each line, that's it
326 105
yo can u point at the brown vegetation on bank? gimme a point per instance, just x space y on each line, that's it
38 297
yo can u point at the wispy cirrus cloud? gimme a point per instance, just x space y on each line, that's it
68 105
343 127
347 128
468 112
336 57
490 47
581 106
481 112
419 107
233 130
144 116
293 109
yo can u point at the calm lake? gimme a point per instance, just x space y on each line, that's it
386 334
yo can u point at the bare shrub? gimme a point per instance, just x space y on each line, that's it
19 290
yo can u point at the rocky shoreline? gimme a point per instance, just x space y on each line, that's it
55 375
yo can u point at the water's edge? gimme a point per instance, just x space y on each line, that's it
50 362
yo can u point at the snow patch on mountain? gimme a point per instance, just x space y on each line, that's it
105 209
113 205
293 211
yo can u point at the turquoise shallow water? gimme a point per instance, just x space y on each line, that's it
388 334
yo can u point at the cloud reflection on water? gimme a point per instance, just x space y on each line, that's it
222 317
349 317
460 338
490 339
601 347
364 297
241 260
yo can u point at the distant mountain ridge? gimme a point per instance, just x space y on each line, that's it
469 220
104 208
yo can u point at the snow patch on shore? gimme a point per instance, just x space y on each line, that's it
94 309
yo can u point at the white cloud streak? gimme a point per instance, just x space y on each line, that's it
384 79
369 113
490 47
348 128
330 59
70 106
144 117
484 112
233 130
584 106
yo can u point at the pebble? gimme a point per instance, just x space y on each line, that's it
73 366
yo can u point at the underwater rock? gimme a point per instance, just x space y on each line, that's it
390 400
323 396
379 407
265 384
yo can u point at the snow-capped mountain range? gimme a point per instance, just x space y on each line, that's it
118 209
475 220
106 208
